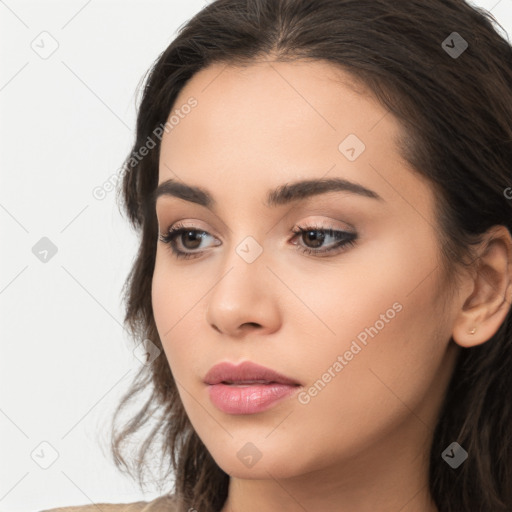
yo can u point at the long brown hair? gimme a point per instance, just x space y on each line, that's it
455 103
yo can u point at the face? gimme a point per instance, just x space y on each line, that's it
352 308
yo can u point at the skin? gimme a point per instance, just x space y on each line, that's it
362 443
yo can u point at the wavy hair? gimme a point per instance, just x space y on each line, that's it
456 111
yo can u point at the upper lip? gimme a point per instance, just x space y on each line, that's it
246 371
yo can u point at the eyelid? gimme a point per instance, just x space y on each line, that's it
324 222
165 227
173 210
345 238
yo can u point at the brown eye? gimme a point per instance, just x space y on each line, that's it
182 239
311 237
189 235
315 237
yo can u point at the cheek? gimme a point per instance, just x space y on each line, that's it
380 311
170 302
383 293
179 310
384 322
163 298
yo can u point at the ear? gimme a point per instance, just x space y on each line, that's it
486 306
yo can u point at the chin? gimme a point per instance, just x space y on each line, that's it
272 462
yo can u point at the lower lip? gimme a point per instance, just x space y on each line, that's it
248 399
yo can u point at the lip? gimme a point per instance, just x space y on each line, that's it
233 399
231 391
246 371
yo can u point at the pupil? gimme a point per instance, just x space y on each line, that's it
317 240
192 235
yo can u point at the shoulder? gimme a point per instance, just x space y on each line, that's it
165 503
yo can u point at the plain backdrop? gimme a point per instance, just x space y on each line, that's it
68 79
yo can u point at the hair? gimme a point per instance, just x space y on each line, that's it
456 113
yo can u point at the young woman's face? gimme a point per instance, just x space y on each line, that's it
361 321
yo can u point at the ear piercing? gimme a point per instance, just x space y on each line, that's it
472 330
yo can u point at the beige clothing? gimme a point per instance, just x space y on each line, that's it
164 503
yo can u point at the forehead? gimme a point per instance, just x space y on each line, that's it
259 126
264 100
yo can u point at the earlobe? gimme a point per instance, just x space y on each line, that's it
485 309
470 337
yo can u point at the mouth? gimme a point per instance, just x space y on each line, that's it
249 382
238 398
246 374
247 388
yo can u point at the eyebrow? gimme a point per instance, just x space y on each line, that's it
282 195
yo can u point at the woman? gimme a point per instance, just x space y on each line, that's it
324 280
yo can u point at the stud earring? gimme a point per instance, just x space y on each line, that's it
472 330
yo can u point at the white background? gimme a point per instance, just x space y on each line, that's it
67 123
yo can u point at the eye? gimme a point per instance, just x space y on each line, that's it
182 239
316 236
189 238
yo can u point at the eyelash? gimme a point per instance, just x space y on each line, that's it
345 239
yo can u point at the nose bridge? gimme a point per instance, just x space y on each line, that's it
242 294
246 235
243 266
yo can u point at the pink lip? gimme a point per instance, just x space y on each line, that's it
235 399
231 392
246 371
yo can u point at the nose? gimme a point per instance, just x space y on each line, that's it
244 298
